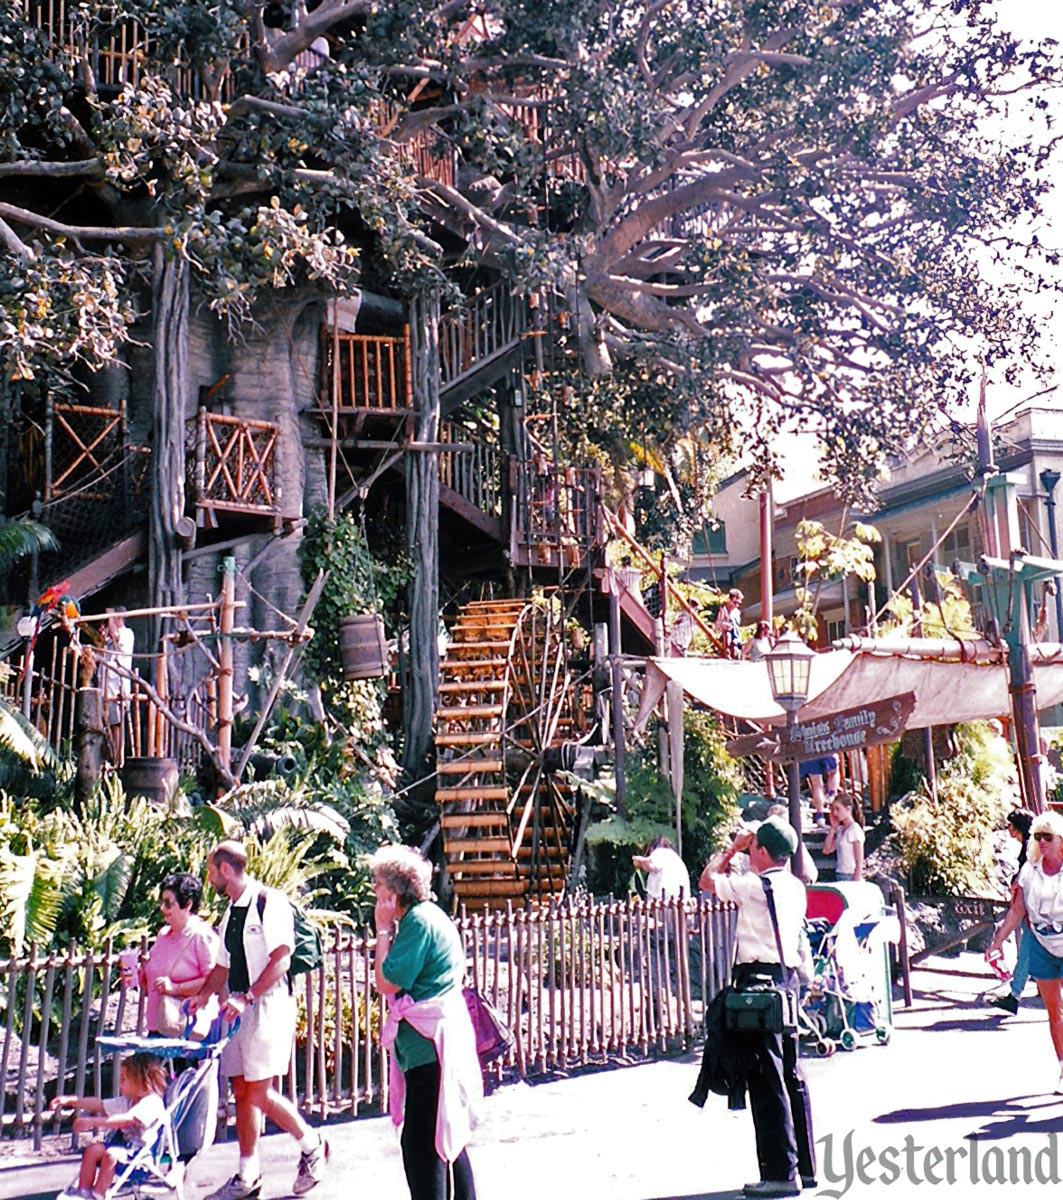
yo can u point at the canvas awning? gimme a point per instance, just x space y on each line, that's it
954 682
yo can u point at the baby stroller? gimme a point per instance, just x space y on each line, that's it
839 1006
166 1151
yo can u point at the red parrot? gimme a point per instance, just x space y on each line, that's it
53 600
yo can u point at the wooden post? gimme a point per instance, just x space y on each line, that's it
225 661
90 737
618 690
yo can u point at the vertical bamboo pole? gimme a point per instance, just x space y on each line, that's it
334 429
225 661
42 1046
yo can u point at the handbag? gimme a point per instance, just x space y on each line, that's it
762 1006
172 1018
494 1037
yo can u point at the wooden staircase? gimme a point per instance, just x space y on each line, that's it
504 697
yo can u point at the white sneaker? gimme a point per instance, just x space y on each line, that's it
237 1189
311 1168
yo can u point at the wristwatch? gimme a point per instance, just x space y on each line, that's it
249 1000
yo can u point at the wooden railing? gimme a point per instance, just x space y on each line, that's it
82 443
677 604
558 512
372 373
578 982
472 469
235 468
486 326
52 682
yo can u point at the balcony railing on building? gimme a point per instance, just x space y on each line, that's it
365 374
558 516
235 468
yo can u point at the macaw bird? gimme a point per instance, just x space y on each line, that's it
53 601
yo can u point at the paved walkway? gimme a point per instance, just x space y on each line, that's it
902 1114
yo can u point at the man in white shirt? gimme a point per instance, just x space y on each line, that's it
257 937
778 1096
118 687
667 877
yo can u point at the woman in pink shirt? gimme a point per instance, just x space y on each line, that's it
184 952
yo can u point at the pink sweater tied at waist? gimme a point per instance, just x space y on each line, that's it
444 1020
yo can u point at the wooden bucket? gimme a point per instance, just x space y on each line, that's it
155 778
363 649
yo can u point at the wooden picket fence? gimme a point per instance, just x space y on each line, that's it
578 982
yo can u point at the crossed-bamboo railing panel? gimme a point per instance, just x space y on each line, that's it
235 467
578 982
82 442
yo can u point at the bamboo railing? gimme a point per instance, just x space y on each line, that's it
472 334
145 732
373 373
578 982
473 468
235 467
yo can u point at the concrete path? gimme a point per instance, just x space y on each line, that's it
893 1123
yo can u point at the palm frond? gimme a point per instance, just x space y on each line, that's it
22 740
19 538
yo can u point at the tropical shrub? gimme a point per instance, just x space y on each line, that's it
712 781
945 845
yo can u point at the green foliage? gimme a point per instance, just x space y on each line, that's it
945 845
712 782
823 557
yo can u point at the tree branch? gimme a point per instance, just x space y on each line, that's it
81 233
35 168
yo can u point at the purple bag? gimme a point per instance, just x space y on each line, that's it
494 1038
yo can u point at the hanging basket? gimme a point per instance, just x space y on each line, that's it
363 648
154 778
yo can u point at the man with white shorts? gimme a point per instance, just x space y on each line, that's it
257 937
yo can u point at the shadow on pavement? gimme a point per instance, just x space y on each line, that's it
1002 1118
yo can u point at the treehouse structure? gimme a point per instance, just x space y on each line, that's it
355 399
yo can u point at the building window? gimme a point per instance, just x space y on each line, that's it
835 630
710 539
956 546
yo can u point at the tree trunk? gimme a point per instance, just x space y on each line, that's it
422 540
168 436
90 736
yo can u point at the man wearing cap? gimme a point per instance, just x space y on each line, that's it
778 1096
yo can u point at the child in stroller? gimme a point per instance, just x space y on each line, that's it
129 1122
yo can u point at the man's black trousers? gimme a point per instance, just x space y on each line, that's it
778 1095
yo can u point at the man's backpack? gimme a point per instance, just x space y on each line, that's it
306 953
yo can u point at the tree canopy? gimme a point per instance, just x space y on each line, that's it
761 214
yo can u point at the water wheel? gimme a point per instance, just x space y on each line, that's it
505 697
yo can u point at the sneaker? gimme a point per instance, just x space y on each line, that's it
237 1189
1007 1003
773 1187
311 1168
819 819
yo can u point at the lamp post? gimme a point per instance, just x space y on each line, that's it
789 664
1049 479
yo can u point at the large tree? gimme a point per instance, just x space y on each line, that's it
759 213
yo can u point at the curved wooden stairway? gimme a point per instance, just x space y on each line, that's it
504 697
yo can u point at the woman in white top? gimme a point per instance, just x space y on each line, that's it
846 836
1038 895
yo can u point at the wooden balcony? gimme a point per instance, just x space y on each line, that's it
116 50
364 374
83 447
235 468
558 514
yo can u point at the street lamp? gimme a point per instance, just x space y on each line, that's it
789 664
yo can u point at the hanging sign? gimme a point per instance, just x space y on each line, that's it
854 729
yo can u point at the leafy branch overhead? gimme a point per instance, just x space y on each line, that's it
777 212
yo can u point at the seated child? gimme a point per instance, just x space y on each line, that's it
123 1120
